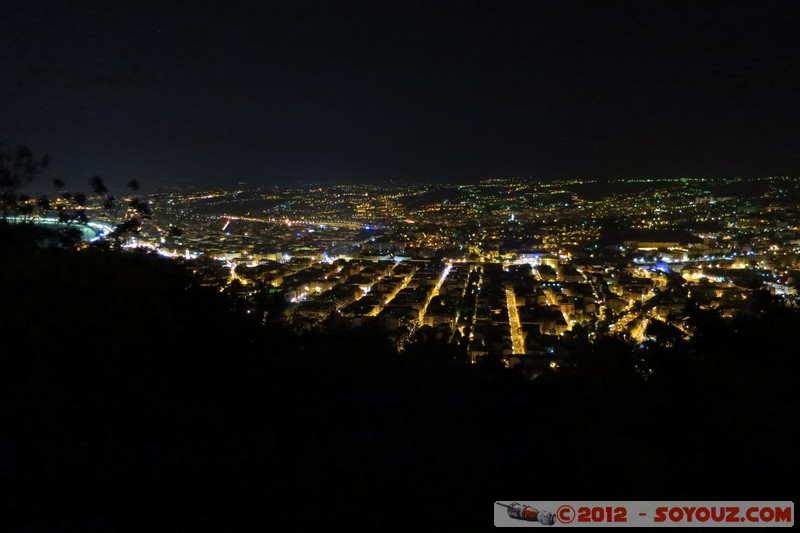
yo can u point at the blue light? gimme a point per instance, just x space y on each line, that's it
662 267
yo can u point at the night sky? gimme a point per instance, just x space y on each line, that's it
344 92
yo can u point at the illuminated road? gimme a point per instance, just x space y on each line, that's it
235 276
517 341
390 297
300 222
92 231
434 293
639 330
629 315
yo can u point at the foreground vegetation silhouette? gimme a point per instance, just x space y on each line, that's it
130 395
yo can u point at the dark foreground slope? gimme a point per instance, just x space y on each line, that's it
131 396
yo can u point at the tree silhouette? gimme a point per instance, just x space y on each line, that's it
664 334
98 186
17 168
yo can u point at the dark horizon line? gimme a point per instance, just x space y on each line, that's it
479 181
43 185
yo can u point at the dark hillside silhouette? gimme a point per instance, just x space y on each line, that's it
132 395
